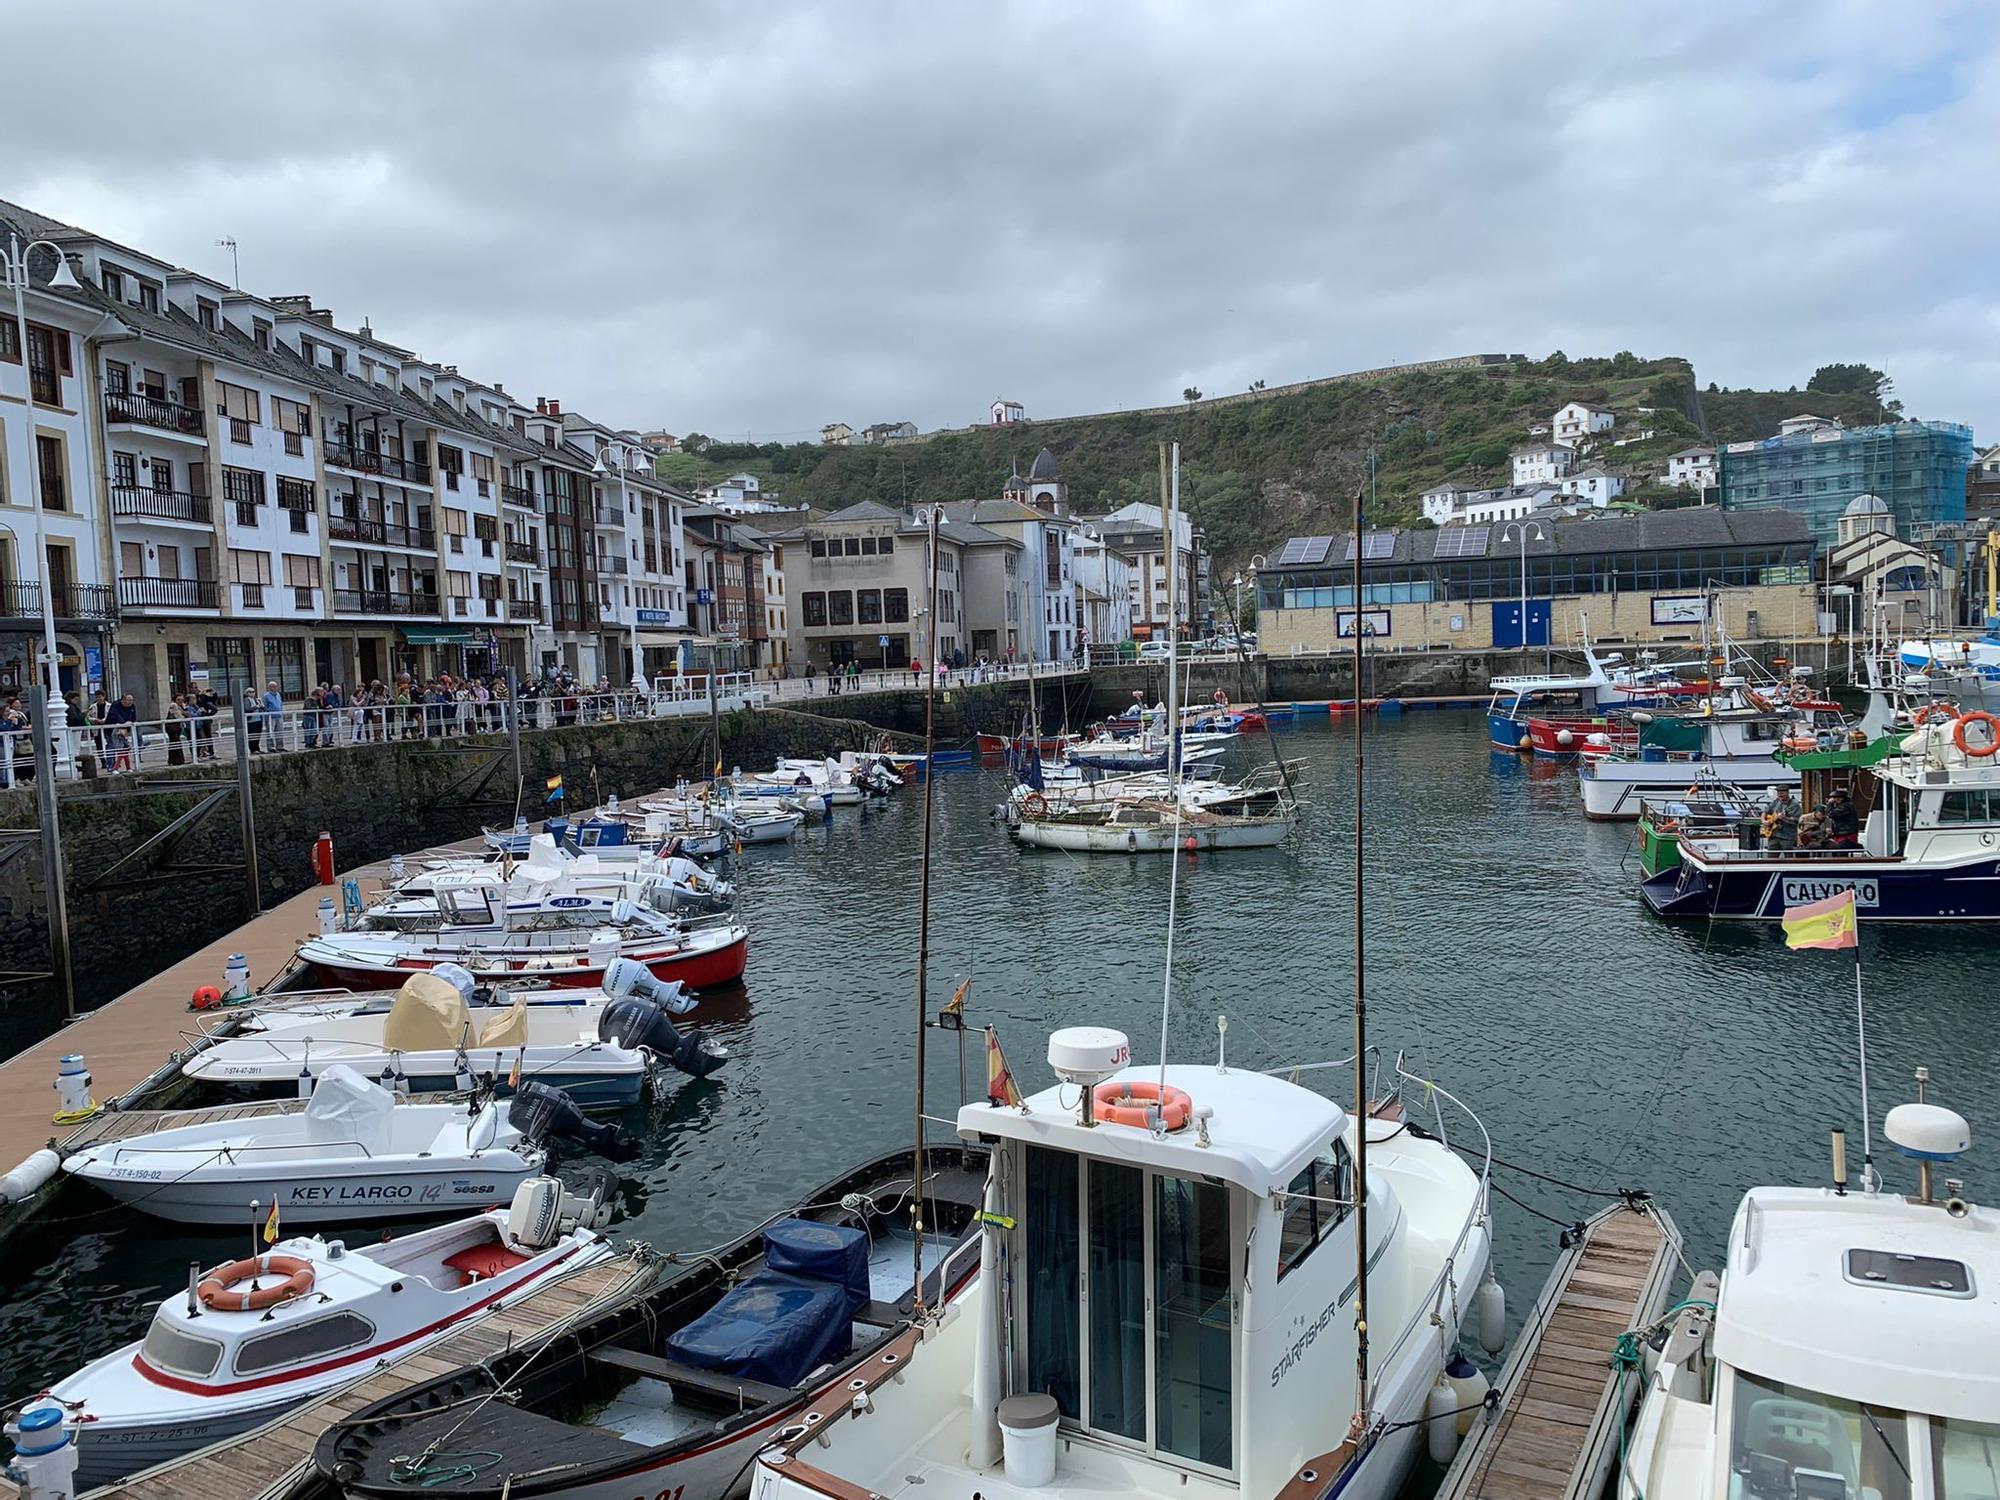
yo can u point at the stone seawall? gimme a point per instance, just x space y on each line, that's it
377 800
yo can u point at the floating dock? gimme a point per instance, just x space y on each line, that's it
275 1461
1562 1402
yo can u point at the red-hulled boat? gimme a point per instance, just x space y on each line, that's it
1000 744
701 958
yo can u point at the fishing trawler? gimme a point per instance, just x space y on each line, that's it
1845 1351
1927 806
1576 703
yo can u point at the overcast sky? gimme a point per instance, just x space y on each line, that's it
758 218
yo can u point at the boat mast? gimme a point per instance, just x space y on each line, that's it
1170 509
924 910
1360 1422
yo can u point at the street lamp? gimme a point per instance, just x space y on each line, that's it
624 453
1524 528
14 273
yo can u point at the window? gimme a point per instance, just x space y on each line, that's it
228 663
260 333
248 565
896 606
1316 1202
244 488
113 283
49 466
10 341
1787 1440
1968 807
289 416
125 470
209 314
117 377
814 606
284 664
868 607
301 572
1963 1459
1053 1280
167 1348
303 1341
817 547
339 357
868 546
840 608
149 296
852 546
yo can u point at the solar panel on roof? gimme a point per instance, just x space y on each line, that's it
1379 544
1462 541
1305 550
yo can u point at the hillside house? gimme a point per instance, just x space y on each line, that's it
1594 486
1691 468
1007 413
1543 463
1579 421
836 435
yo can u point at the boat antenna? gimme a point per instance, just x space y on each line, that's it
931 519
1360 1006
1170 507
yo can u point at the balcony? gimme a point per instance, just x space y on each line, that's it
617 566
383 602
130 408
375 533
522 552
139 502
514 494
368 461
73 601
608 515
167 593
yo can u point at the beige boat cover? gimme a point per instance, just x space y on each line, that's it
427 1015
510 1028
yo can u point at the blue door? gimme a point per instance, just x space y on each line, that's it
1509 629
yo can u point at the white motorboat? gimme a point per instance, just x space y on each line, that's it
597 1052
356 1151
1164 1304
606 875
1159 826
1847 1351
252 1339
752 824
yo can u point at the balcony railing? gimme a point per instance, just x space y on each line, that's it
382 602
73 601
167 593
152 411
368 461
380 533
141 501
521 552
526 609
514 494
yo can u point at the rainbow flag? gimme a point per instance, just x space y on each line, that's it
1000 1088
271 1225
1822 924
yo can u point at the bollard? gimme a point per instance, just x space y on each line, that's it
72 1086
329 917
322 858
236 977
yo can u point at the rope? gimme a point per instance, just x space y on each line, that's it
427 1475
1629 1355
1489 1402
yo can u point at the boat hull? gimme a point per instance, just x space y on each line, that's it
1759 890
108 1451
345 1197
707 968
1613 789
1506 732
1162 838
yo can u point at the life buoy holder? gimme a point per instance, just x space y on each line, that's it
1035 805
1978 716
217 1289
1221 698
1132 1104
1931 713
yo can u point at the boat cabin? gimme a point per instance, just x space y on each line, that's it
1184 1293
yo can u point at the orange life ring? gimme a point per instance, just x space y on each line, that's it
1930 712
1035 805
215 1288
1130 1104
1221 698
1992 729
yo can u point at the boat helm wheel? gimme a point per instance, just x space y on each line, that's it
1992 741
219 1293
1132 1104
1035 805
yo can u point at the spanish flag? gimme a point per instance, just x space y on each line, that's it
555 787
955 1006
271 1225
1000 1087
1822 924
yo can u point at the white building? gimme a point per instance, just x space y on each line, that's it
1594 486
1044 587
1509 503
889 432
1579 421
1138 531
1005 413
1447 502
641 582
1543 463
1104 588
836 434
1692 468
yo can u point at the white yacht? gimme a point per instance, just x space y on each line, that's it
1850 1353
1166 1302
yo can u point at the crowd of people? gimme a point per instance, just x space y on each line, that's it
1832 824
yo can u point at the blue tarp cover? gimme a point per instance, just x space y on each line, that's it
831 1252
774 1328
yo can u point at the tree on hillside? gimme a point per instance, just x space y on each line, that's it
1848 380
1190 394
1256 385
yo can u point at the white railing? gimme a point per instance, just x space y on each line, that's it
824 684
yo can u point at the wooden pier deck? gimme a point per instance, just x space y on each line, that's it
274 1461
1554 1434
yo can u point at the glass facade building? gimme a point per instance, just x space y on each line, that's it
1918 468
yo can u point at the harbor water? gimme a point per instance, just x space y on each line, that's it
1508 958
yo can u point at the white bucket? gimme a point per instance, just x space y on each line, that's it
1028 1439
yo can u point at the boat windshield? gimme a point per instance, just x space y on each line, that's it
1792 1443
178 1352
1965 1459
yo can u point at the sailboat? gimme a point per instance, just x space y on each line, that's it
1194 1280
1149 823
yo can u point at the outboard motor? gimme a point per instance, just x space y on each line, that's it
544 1210
633 1022
627 977
545 1114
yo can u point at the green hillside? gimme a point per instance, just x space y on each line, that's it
1255 471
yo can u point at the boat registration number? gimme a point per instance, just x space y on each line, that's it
1799 889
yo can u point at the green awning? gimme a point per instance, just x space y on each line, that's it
1843 760
440 635
1675 736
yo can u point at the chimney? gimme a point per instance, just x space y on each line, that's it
322 315
367 329
499 389
555 407
541 406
